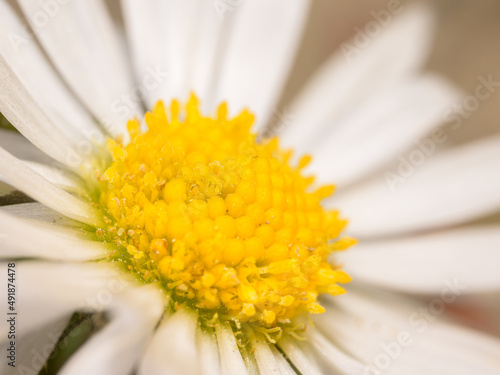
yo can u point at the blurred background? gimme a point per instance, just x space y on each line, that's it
466 47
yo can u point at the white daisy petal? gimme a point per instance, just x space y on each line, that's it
210 42
336 325
21 148
452 187
374 134
39 212
81 38
230 356
209 353
283 364
259 54
32 350
19 108
337 360
164 36
21 176
345 80
49 291
45 241
394 334
175 338
263 355
58 176
300 355
421 264
27 61
119 345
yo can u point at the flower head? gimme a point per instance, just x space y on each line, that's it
227 225
200 247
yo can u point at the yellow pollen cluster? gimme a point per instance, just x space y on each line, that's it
226 224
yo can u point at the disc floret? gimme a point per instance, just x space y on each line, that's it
226 224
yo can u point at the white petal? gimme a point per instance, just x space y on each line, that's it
345 80
22 238
32 350
80 232
21 148
394 336
58 176
84 46
452 187
173 349
230 356
259 55
19 175
427 263
212 35
209 353
49 291
263 355
381 129
283 364
337 360
164 36
28 62
299 354
18 106
119 345
39 212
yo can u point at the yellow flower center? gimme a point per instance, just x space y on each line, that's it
227 225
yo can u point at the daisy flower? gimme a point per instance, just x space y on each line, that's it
199 248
